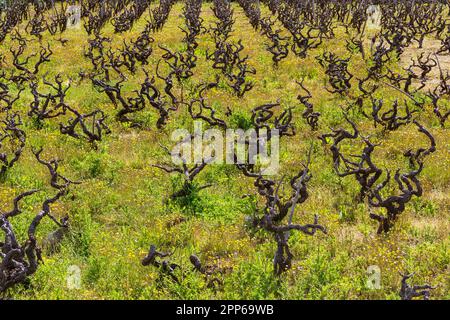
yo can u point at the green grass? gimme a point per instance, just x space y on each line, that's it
121 207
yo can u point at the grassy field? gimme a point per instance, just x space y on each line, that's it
123 205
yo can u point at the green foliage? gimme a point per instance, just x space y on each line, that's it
123 204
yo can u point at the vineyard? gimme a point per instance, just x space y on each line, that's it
355 95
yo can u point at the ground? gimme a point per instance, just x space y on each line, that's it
121 207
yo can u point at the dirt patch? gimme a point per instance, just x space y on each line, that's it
350 234
430 46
